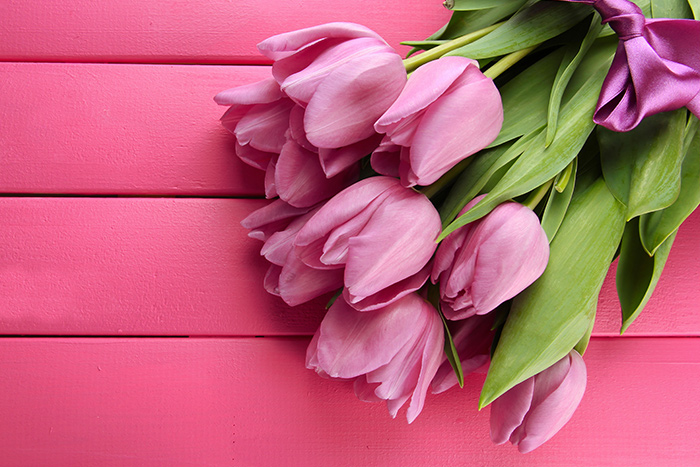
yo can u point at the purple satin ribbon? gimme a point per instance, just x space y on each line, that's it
656 66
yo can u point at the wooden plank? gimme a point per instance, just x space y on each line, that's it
251 402
120 129
132 266
217 31
113 266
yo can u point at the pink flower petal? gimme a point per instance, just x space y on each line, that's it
265 125
301 74
352 343
472 105
509 410
282 45
345 106
281 243
253 157
365 391
262 92
337 211
271 218
296 129
427 84
271 280
335 160
558 392
300 181
298 283
390 294
270 186
395 244
513 251
409 373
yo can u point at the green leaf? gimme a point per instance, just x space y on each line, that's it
558 204
460 5
670 9
465 22
484 168
528 27
451 352
538 163
695 6
637 272
642 167
568 66
582 345
552 315
525 99
655 227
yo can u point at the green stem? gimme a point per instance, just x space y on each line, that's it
536 196
454 172
415 61
507 62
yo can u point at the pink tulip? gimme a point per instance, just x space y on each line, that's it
288 277
259 118
472 338
381 233
344 76
490 260
532 412
271 218
447 111
265 123
393 352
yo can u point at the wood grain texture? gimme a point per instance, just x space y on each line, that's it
131 266
251 402
120 129
115 266
179 31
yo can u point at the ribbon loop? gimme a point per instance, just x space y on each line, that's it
624 17
656 67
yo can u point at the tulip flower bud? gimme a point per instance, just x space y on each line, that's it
392 352
532 412
448 111
490 260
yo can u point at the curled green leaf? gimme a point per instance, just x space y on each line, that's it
558 203
568 66
637 272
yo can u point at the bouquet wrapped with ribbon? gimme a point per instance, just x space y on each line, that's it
461 207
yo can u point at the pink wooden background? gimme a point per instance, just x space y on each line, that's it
135 330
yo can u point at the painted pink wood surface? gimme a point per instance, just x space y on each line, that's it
115 266
120 129
179 31
250 402
135 266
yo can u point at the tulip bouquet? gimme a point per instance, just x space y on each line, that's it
465 204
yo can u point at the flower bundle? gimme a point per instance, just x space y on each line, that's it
465 204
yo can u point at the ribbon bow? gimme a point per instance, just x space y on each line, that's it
656 66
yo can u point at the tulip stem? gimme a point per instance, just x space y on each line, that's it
536 196
417 60
454 172
507 62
